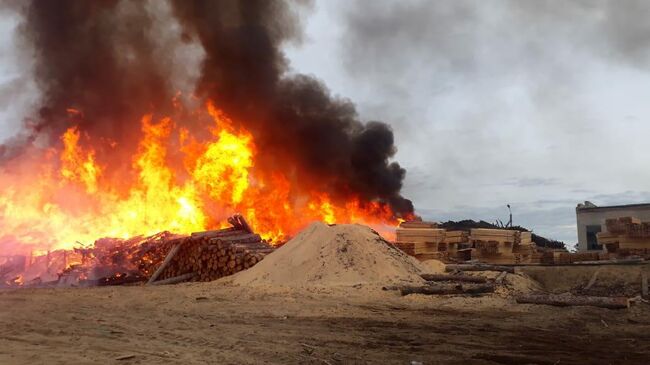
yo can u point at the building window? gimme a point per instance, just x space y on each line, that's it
592 241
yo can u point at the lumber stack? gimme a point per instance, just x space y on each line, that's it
415 241
503 246
425 241
454 241
206 256
573 257
626 236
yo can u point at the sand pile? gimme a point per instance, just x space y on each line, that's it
339 255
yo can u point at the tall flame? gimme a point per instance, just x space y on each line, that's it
57 198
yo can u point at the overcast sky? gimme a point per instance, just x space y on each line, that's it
539 104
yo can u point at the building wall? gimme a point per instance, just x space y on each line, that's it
596 217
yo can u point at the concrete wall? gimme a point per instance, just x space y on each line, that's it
596 216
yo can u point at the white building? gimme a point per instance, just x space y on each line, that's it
591 220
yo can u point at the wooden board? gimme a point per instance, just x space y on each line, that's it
421 231
407 239
633 243
420 235
629 220
500 240
457 234
494 232
433 256
418 224
456 239
415 248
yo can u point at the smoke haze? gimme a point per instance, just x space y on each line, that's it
98 65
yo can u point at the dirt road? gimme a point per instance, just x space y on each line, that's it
218 324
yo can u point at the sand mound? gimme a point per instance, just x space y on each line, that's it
433 266
339 255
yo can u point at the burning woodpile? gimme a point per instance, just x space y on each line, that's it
163 258
206 256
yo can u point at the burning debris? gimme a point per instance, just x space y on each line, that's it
201 256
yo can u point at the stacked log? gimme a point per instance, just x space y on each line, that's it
214 254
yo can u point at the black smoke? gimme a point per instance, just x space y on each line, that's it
294 118
100 57
95 57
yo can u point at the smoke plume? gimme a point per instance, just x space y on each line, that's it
97 58
101 58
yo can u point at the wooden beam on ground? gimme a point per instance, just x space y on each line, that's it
479 267
447 289
499 279
573 300
644 285
460 278
175 279
592 281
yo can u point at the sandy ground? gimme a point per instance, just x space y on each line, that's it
216 323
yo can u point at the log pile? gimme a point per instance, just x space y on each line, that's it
626 236
163 258
206 256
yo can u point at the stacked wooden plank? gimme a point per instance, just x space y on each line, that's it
503 246
574 257
425 241
415 241
454 241
626 236
418 224
419 238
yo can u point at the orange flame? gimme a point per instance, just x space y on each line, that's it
42 206
78 165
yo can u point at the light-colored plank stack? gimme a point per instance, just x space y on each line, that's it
503 246
626 236
454 241
425 241
213 254
563 258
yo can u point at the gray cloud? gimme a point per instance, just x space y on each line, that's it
540 104
389 36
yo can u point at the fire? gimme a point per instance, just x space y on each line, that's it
177 180
77 164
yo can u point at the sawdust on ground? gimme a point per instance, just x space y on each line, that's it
216 323
336 255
